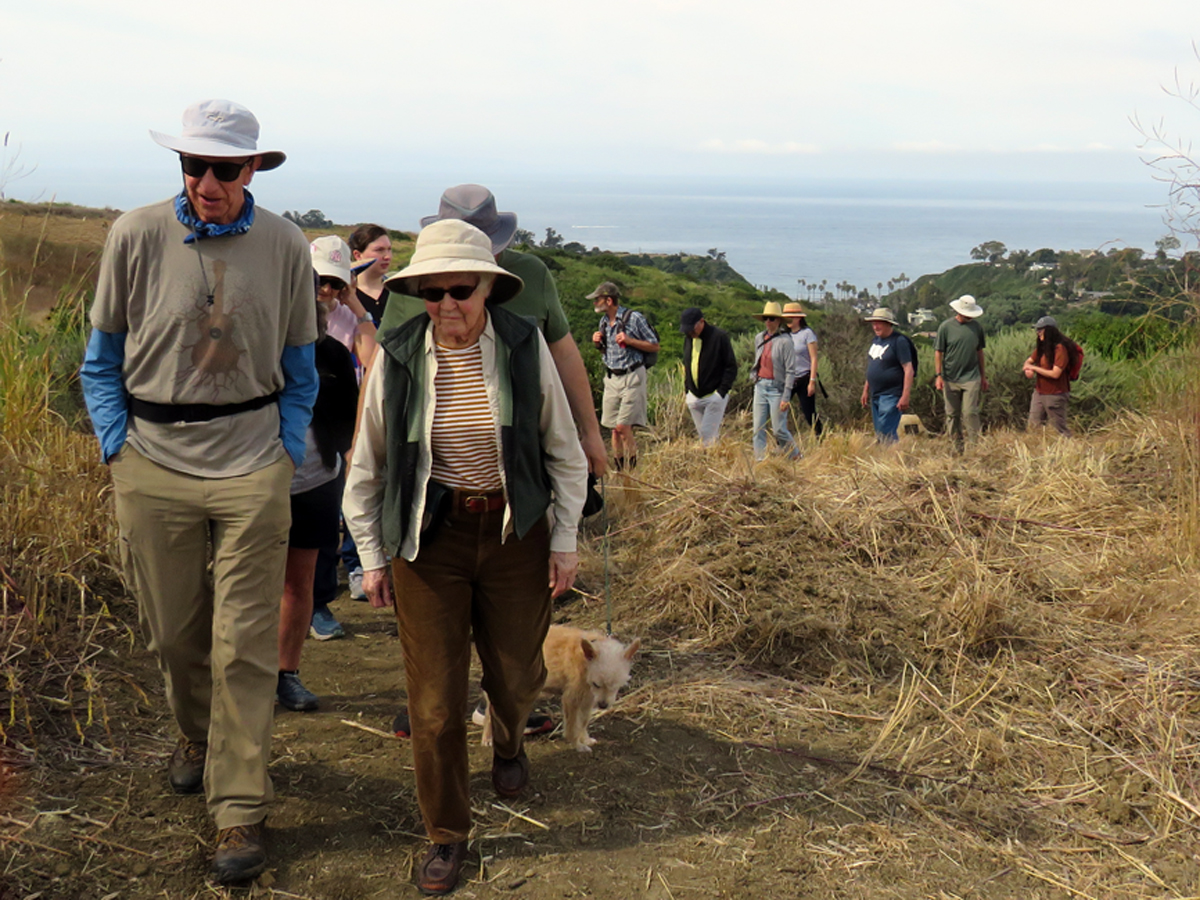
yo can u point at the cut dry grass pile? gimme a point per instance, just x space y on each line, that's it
995 652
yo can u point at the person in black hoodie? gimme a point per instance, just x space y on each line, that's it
709 369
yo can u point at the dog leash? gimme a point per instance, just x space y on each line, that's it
604 545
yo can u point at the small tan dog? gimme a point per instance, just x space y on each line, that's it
587 670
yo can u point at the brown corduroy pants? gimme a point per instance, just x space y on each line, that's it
462 581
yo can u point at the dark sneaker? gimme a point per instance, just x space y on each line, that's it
510 776
292 694
401 727
324 626
440 868
241 853
185 771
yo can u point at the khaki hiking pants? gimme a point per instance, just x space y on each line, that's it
216 634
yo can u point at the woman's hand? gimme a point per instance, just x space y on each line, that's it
378 587
563 568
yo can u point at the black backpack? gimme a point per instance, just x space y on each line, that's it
648 359
912 352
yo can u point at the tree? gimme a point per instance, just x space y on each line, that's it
312 219
718 255
522 236
990 251
553 240
1163 246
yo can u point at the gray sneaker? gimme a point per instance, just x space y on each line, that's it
355 583
292 694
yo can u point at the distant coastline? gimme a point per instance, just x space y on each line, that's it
774 233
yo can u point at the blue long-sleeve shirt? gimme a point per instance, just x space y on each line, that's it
108 402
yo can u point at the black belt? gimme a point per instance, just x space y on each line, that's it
170 413
616 373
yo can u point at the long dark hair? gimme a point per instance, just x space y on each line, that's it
1047 344
363 236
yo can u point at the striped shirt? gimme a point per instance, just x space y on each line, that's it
463 440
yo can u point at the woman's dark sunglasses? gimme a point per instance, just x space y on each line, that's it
458 292
330 282
770 318
195 167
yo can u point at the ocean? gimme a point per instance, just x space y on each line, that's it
774 233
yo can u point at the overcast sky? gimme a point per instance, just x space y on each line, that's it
862 88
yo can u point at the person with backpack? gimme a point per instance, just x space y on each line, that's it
958 363
629 346
1055 363
891 369
774 374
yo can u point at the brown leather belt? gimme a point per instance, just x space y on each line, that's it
478 501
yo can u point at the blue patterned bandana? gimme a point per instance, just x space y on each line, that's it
198 229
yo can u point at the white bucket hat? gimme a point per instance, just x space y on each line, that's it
966 306
220 128
452 245
331 257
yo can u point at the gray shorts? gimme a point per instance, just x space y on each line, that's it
624 399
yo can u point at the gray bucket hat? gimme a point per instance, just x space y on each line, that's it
220 129
475 204
1046 322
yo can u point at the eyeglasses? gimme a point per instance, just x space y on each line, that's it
770 318
459 292
195 167
328 281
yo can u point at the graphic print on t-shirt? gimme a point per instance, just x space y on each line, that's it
215 356
877 351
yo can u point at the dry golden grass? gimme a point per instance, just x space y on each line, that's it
1005 643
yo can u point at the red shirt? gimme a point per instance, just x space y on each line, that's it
1059 385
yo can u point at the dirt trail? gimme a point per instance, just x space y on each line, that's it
660 809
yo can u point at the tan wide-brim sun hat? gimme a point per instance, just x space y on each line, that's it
770 308
794 311
882 314
966 306
452 245
220 129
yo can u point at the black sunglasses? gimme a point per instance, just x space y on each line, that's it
195 167
458 292
770 318
330 282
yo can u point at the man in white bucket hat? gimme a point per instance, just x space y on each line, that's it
200 381
958 362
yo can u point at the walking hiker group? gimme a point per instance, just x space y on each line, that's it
222 375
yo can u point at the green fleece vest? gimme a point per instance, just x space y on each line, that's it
520 395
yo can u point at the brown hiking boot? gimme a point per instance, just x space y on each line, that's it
439 870
509 776
241 853
185 771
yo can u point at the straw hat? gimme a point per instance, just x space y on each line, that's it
452 245
966 306
770 308
220 129
882 314
794 310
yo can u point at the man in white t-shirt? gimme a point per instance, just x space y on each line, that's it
200 381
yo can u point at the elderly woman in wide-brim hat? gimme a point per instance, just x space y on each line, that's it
465 443
774 374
